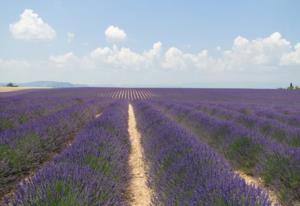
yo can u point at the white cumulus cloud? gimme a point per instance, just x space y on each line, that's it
292 58
118 57
262 51
240 41
155 51
174 58
114 34
31 27
127 58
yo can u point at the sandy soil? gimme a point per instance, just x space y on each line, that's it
139 192
258 183
97 115
14 89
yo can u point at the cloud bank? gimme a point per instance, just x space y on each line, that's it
270 52
262 59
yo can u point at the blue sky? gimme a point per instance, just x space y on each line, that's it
161 43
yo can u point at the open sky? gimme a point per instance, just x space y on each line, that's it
192 43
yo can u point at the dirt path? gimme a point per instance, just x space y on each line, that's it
140 193
258 183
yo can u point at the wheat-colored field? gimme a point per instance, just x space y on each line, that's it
13 89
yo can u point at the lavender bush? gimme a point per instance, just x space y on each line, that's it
185 171
26 147
92 171
20 109
277 164
267 127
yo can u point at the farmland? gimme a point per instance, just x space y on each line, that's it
140 146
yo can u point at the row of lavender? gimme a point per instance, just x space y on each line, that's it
185 171
277 164
24 148
16 115
285 115
92 171
17 110
281 98
271 128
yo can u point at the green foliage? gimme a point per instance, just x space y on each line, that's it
292 87
279 135
294 142
244 152
99 164
108 127
247 122
23 154
64 192
218 136
279 170
265 129
79 100
9 155
179 176
61 193
168 159
23 118
10 84
29 144
5 124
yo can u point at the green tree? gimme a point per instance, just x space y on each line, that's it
291 87
10 84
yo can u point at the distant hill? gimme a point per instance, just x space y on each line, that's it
52 84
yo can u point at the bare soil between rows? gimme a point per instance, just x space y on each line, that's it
139 192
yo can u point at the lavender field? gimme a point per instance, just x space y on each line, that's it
122 146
